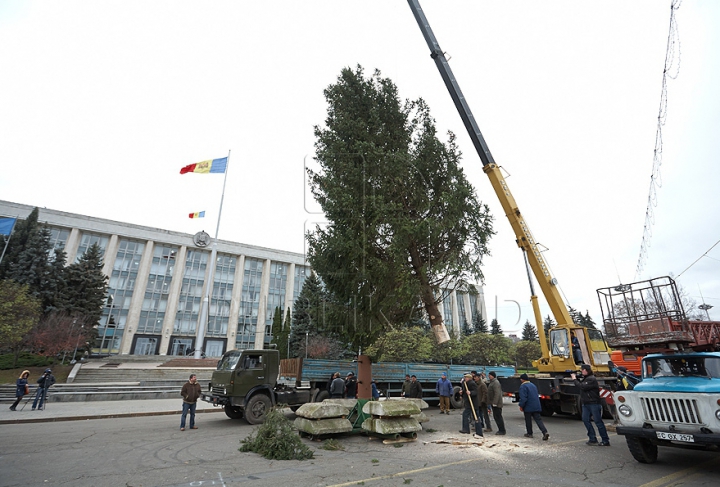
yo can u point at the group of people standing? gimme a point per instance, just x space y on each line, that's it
22 388
481 397
348 387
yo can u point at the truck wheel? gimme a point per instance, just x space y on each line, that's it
456 400
257 408
606 414
233 412
321 396
547 409
642 450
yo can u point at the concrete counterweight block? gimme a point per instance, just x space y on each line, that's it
322 410
392 417
317 427
391 426
420 418
419 402
391 408
348 403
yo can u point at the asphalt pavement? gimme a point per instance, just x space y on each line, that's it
76 411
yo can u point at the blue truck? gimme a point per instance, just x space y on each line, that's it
677 403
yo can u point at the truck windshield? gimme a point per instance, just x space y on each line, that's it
229 361
683 367
559 343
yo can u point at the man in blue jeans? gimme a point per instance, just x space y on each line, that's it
190 393
44 384
591 406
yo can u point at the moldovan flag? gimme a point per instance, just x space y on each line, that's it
199 214
6 225
204 167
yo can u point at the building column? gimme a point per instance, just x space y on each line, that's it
480 303
235 305
138 296
110 255
71 245
455 314
468 308
262 306
173 299
289 289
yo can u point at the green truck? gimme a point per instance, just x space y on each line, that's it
247 383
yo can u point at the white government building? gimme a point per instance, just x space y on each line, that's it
157 281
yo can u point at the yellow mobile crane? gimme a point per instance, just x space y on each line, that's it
558 357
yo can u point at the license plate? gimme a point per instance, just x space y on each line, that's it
675 437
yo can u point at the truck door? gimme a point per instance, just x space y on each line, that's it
250 372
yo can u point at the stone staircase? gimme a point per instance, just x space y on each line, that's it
124 378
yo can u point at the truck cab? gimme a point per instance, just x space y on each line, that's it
245 384
677 404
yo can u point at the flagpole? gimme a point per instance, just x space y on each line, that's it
204 310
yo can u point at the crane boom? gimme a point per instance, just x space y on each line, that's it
524 238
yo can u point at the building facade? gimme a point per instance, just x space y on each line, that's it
157 280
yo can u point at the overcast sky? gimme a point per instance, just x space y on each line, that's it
102 103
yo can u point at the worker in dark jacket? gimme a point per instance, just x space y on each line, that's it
530 406
337 387
190 393
468 390
350 386
415 388
44 383
495 402
406 386
481 405
591 405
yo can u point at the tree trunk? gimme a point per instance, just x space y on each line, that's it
428 298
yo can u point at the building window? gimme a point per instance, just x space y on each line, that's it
190 299
462 318
276 295
180 346
447 310
58 239
301 274
87 241
249 304
473 307
120 289
157 289
221 296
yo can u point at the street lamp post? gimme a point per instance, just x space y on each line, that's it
306 343
77 343
706 307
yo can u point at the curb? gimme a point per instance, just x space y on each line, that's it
102 416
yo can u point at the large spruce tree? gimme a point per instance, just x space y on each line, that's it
529 332
495 328
403 220
21 234
307 314
31 266
86 285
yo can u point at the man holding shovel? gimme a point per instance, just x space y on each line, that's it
469 393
